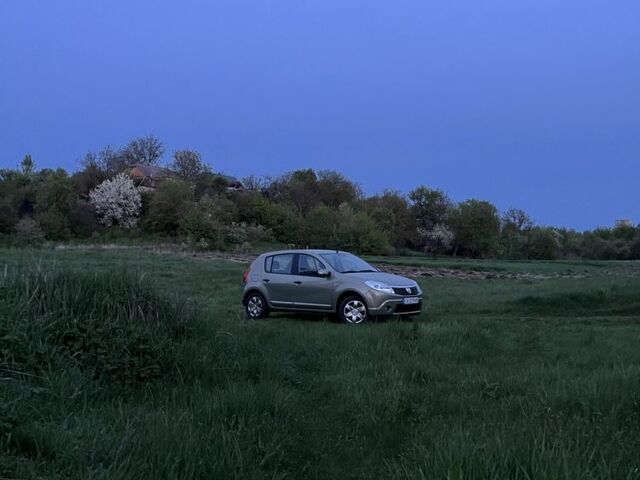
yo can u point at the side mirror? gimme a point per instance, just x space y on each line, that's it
324 273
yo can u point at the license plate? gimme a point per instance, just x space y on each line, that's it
410 300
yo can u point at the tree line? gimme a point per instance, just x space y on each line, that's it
303 207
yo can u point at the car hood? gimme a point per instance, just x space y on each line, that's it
388 278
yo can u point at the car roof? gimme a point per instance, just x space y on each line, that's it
316 251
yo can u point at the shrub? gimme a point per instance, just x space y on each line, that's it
117 201
28 231
54 224
201 228
82 219
436 240
168 204
544 244
237 233
8 216
344 228
634 248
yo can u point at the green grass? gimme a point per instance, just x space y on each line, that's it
498 378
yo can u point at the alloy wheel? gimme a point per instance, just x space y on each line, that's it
255 307
354 311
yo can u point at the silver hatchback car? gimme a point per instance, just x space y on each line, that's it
326 281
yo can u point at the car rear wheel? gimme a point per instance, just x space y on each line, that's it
353 311
256 306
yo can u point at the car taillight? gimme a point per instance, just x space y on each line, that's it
245 276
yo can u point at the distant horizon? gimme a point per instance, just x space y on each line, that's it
533 105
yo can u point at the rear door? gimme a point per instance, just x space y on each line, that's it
278 279
312 292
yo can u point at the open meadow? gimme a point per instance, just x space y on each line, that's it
128 364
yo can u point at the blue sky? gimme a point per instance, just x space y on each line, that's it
529 103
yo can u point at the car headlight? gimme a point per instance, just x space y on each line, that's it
379 286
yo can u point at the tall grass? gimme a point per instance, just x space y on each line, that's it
470 390
112 325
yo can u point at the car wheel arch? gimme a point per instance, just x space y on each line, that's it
345 294
248 293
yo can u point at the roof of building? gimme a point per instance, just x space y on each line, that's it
152 171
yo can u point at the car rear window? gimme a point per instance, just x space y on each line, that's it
281 264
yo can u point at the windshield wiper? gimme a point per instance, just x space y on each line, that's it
359 271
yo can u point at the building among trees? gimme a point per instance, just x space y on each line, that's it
148 176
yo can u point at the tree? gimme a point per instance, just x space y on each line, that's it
334 189
117 201
54 198
298 188
253 182
437 240
476 226
516 226
28 165
147 150
188 165
90 176
544 244
430 207
168 204
8 215
390 211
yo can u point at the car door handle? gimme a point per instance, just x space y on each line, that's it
265 280
297 282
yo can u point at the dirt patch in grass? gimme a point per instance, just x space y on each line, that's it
417 271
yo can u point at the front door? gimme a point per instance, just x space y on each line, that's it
312 291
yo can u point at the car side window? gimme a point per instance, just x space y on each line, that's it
308 265
281 264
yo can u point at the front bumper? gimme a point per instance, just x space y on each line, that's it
386 304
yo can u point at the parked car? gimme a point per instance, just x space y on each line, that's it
326 281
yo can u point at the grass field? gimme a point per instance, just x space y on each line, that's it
500 378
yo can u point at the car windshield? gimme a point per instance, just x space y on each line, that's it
347 263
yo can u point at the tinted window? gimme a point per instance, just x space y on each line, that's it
279 263
308 265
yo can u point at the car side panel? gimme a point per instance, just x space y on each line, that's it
313 292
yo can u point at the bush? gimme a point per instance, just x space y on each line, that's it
8 216
168 204
27 231
345 229
634 248
237 233
112 326
54 224
544 244
201 228
82 219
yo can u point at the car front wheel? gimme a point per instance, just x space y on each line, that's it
256 306
353 310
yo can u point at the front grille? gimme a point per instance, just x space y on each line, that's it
405 290
416 307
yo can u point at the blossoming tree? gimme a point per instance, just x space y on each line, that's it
117 201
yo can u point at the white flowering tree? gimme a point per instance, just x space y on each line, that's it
437 239
117 201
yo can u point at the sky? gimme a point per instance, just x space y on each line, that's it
531 103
